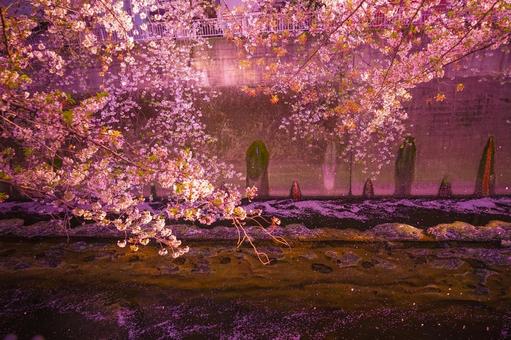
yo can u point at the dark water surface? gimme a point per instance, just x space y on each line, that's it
94 290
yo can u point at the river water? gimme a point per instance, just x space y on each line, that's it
78 289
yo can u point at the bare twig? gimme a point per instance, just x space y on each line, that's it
327 37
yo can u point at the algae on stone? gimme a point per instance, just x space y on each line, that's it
485 182
257 159
295 193
368 191
445 188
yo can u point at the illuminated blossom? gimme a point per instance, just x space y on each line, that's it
357 62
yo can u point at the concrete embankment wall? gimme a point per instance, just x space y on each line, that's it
450 135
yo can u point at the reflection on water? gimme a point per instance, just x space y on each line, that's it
314 290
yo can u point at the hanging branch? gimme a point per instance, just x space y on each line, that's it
428 67
396 50
309 58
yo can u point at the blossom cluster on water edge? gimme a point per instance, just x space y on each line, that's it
92 156
348 72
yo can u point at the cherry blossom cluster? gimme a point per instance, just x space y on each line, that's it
94 156
349 72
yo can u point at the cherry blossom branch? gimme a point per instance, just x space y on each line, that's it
262 256
19 127
39 191
396 50
89 139
114 16
277 239
428 67
114 153
327 38
484 47
4 33
470 30
478 49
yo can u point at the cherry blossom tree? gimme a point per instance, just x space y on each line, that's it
345 67
350 65
93 155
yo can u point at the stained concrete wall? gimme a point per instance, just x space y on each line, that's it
450 135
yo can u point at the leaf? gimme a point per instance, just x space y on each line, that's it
115 133
249 91
25 78
4 176
3 197
279 51
67 117
302 38
179 188
57 163
440 97
102 94
8 152
70 99
28 151
244 64
274 99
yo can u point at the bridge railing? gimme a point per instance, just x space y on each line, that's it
236 25
208 28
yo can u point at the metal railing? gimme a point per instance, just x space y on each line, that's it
237 26
209 28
